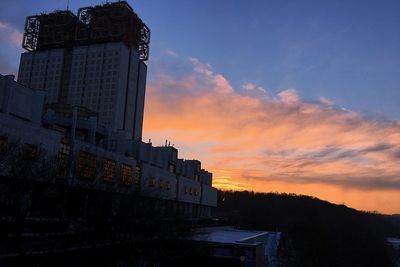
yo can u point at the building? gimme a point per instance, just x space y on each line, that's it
80 96
93 60
394 243
227 246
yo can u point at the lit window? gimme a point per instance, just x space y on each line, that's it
86 165
160 183
126 174
108 170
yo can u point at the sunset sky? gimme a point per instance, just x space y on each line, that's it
283 96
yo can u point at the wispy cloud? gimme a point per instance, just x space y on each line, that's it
10 34
257 143
10 47
171 53
248 86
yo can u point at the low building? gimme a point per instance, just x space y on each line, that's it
96 156
227 246
394 243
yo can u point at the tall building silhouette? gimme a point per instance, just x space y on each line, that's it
93 60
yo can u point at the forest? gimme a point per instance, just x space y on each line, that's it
315 232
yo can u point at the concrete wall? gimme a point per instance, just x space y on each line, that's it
21 101
208 195
22 131
156 182
188 190
43 70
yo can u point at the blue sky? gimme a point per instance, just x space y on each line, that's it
346 51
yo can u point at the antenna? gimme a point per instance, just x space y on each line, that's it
67 4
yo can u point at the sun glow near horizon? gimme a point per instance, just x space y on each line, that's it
252 140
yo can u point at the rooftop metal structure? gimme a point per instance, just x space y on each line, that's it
111 22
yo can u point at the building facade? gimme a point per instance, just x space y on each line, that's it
101 70
80 96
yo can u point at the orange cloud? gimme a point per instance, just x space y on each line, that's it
251 140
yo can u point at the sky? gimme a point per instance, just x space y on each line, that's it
273 96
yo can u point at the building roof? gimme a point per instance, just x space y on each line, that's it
227 235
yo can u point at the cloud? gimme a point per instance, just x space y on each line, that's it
171 53
273 143
262 89
326 101
289 96
10 47
248 86
10 34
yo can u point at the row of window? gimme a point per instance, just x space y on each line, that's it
191 191
28 151
153 182
28 62
161 184
96 54
86 169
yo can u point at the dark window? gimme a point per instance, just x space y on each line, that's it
136 176
171 168
152 182
63 157
168 185
29 152
3 145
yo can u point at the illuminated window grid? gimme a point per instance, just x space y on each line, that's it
86 165
108 170
126 174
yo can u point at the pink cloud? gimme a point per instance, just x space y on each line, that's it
270 143
10 34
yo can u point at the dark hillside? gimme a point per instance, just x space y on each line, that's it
316 232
